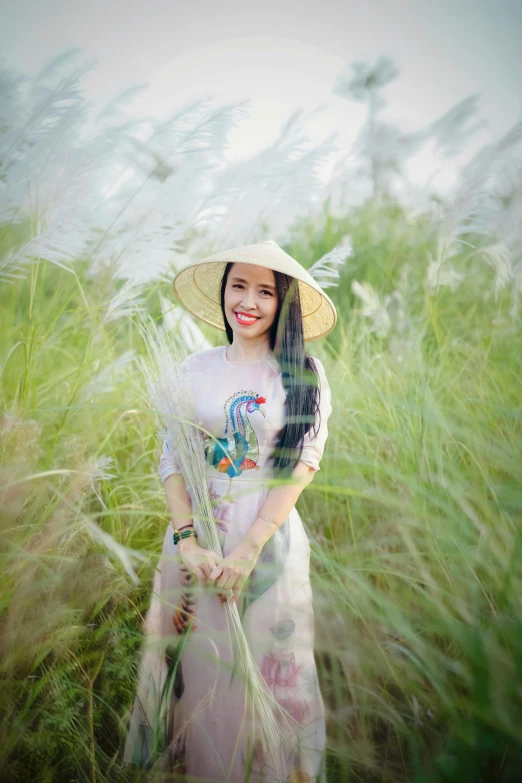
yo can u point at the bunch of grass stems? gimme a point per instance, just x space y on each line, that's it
171 397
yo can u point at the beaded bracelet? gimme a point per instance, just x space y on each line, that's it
184 534
268 520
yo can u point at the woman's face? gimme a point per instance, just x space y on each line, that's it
250 300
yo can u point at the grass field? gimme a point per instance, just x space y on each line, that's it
414 519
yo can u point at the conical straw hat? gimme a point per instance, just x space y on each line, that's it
198 286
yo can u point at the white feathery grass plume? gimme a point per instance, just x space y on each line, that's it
13 268
40 111
43 120
124 554
500 258
271 187
373 309
170 396
55 153
141 239
59 244
108 378
468 214
326 271
175 318
100 472
516 290
455 128
125 302
439 274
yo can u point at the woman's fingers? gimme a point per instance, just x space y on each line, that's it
211 568
200 576
227 580
223 578
208 565
215 573
240 583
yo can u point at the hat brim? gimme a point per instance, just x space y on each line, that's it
198 287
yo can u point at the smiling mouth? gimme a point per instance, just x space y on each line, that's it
246 320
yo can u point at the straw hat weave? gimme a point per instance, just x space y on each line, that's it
198 286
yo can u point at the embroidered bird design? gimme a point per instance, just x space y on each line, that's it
239 450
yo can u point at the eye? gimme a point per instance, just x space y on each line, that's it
267 292
237 285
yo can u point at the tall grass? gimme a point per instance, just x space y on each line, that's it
414 518
414 521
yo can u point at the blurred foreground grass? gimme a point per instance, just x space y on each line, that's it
414 518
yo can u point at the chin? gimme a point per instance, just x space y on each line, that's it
246 333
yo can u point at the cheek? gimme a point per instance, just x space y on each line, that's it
229 299
271 308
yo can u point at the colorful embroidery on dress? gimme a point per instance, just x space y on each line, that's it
185 611
239 450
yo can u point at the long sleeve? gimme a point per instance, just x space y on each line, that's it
313 447
169 463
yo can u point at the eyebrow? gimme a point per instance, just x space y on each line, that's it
261 285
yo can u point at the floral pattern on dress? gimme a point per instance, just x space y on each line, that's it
279 669
298 776
221 509
298 709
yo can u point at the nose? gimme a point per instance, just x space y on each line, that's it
248 300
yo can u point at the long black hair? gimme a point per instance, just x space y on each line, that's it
299 373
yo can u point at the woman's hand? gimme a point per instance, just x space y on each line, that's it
199 561
233 571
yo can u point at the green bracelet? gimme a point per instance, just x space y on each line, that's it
184 534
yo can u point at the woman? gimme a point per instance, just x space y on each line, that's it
267 403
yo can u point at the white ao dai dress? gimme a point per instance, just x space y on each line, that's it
205 727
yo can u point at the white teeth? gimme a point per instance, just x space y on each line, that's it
246 318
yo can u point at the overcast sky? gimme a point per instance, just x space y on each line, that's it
283 54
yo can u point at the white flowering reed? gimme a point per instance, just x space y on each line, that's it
170 396
327 269
373 309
